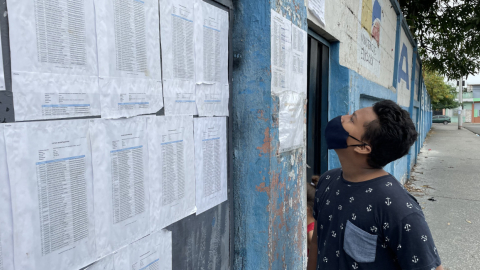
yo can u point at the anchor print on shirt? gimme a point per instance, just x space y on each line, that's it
415 259
399 247
338 192
389 184
408 227
355 265
338 253
328 177
384 245
354 217
424 238
334 234
351 199
327 189
339 207
388 202
369 190
325 260
330 218
341 226
385 225
373 229
328 202
369 208
409 205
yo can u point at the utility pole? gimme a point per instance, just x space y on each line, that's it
460 98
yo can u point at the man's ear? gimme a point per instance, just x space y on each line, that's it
363 150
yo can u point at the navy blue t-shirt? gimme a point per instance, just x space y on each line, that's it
370 225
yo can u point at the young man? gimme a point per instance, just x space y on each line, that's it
365 220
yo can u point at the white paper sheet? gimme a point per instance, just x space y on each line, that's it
105 263
298 82
172 169
50 172
317 7
2 75
54 59
6 225
151 252
291 121
121 182
210 162
281 52
178 56
211 59
128 40
212 99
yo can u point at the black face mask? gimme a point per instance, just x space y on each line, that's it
336 136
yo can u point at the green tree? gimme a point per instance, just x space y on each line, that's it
442 94
448 34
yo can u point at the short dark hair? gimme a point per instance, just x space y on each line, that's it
391 135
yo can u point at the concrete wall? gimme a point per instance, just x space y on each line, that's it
350 22
269 187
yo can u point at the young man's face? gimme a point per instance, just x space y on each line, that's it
355 124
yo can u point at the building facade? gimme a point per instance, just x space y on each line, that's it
471 106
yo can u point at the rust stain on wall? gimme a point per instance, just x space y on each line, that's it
261 117
265 148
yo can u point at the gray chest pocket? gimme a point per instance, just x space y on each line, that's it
359 244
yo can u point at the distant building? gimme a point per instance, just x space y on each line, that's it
471 105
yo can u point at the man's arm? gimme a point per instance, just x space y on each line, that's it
439 268
313 251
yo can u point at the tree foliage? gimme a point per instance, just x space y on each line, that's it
448 34
442 94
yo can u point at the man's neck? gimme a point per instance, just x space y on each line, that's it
359 173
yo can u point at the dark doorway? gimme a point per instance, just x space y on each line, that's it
317 109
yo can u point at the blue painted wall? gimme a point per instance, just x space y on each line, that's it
269 188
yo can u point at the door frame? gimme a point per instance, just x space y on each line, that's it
322 82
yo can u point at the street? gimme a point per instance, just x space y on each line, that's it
446 183
475 128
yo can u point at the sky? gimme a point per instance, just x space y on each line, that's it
473 79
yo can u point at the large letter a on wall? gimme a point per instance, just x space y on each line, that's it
403 74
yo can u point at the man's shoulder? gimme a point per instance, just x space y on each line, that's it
390 195
331 173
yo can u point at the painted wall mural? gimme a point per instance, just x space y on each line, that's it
404 71
369 53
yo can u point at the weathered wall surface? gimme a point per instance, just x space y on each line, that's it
269 188
366 29
405 69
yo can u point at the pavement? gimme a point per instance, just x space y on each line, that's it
446 182
475 128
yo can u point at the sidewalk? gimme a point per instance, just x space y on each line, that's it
475 128
446 182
